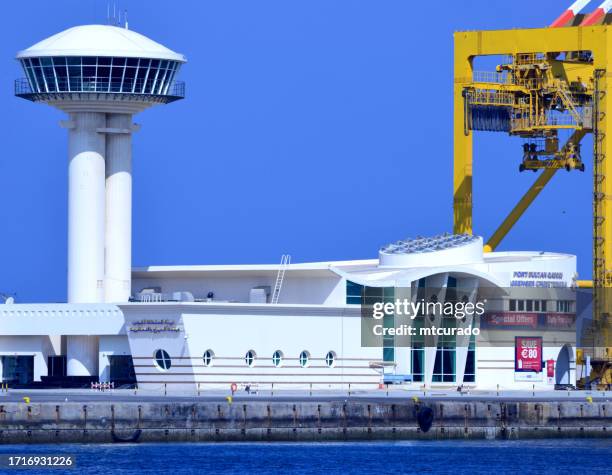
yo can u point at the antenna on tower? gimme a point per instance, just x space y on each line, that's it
125 19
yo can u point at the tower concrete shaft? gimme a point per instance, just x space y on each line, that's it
86 203
99 220
118 260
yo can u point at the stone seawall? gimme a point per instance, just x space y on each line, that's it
298 421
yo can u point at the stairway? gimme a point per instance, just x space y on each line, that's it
284 263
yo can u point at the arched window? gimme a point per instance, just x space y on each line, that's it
330 359
249 358
277 358
304 359
208 357
162 360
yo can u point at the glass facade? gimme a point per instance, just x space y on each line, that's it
100 74
354 293
445 366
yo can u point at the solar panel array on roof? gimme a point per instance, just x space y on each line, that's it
420 245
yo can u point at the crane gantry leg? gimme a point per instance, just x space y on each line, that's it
462 174
602 211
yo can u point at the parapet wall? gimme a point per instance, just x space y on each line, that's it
299 421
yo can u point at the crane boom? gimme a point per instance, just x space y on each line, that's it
568 15
598 14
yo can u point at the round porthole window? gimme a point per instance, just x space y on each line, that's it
304 359
208 357
249 358
330 359
277 358
162 360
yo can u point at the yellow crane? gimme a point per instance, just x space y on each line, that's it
552 80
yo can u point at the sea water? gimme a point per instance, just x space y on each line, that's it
592 456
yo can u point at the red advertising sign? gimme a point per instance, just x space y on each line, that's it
560 320
528 353
550 368
512 319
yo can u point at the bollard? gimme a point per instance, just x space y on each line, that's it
135 389
498 390
387 390
424 390
533 390
165 389
198 389
272 390
311 389
349 392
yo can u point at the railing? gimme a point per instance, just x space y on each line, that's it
491 77
550 119
485 97
22 87
102 85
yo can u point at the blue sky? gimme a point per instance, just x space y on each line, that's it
318 128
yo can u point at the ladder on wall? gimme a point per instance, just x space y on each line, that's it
284 263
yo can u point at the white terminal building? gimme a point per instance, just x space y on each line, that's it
287 325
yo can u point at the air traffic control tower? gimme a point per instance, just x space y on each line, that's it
100 75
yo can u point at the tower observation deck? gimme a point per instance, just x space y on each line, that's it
100 75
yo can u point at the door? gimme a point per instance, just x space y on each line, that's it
122 369
17 369
57 366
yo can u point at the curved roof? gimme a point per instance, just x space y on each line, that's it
100 40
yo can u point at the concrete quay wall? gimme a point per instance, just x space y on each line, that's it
104 421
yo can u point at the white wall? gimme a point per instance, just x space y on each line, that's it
232 330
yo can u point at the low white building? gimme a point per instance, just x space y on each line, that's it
211 326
